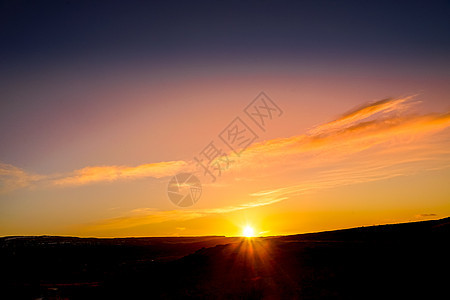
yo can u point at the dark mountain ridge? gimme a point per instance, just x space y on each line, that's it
385 261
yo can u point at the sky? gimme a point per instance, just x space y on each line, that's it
103 103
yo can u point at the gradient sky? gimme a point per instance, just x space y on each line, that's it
102 103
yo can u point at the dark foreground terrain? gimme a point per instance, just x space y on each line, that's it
398 261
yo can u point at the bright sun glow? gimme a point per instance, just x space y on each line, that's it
248 231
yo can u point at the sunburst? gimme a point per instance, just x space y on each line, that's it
248 231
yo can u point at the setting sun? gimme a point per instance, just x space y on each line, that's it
248 231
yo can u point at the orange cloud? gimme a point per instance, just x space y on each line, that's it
112 173
363 112
145 216
376 141
12 178
379 140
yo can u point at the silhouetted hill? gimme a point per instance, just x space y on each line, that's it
422 229
378 262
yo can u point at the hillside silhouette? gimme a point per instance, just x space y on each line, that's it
395 261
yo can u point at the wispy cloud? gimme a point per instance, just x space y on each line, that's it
13 178
380 122
146 216
112 173
363 112
426 215
379 140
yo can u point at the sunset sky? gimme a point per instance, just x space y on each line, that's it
101 104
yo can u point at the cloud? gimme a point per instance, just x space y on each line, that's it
380 140
112 173
376 141
146 216
354 129
12 178
363 112
426 215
